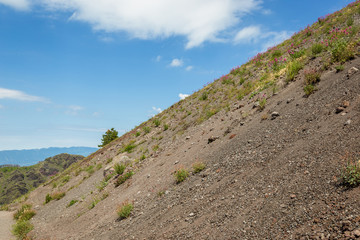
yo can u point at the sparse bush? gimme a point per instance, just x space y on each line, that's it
108 137
311 76
119 168
19 213
350 21
350 174
142 157
181 175
72 202
137 133
166 127
99 166
292 70
198 167
129 147
341 52
109 160
102 185
21 229
125 210
65 179
122 178
57 195
317 48
90 169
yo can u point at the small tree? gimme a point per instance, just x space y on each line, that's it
109 136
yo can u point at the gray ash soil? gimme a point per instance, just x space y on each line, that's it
265 179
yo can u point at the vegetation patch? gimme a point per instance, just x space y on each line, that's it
122 178
124 210
23 226
198 167
350 174
181 175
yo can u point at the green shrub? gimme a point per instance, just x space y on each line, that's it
297 54
181 175
108 137
204 96
309 89
156 122
21 229
119 168
137 133
102 185
122 178
350 21
72 202
146 129
142 157
94 203
317 48
166 127
276 54
65 179
90 169
341 52
350 174
125 210
292 70
198 167
47 198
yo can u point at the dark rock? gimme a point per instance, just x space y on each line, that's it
212 139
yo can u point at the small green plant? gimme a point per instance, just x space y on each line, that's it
129 147
350 174
137 134
198 167
309 89
90 169
109 160
102 185
119 168
94 203
156 122
292 70
262 103
166 127
181 175
48 198
350 21
339 68
124 210
317 48
18 215
142 157
99 166
161 193
146 129
72 202
65 179
155 148
122 178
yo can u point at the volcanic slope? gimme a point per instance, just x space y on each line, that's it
274 135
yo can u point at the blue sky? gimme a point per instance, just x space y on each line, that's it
70 69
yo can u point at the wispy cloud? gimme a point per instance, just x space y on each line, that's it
157 110
189 68
158 58
176 62
77 129
73 110
182 96
20 96
256 34
21 5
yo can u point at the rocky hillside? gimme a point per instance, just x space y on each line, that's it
15 181
257 154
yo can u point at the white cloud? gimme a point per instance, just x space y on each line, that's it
19 95
106 39
74 110
189 68
182 96
176 62
248 34
157 110
196 20
255 34
21 5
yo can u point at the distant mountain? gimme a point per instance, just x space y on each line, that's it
33 156
16 181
